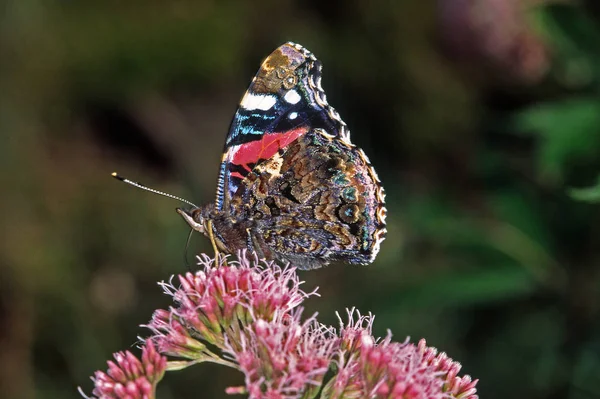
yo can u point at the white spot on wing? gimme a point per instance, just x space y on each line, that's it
293 115
264 102
292 97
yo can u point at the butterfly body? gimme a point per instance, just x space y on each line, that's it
292 186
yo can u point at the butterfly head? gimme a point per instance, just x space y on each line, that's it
197 218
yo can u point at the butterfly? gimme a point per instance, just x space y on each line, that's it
292 187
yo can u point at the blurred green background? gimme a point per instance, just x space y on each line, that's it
482 118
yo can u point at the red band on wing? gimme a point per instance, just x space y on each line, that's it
265 148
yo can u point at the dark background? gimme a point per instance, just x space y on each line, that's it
482 118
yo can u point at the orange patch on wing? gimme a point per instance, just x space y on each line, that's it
266 147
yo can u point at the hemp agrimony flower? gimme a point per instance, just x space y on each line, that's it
246 314
128 377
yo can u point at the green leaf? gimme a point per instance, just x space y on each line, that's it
469 288
588 194
568 129
584 383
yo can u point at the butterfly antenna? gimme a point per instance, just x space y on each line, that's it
143 187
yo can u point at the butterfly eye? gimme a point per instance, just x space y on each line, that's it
289 82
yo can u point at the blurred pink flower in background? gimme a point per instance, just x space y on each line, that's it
497 33
250 310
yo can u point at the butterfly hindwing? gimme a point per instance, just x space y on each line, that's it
316 202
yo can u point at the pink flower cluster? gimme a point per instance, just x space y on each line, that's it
373 368
250 311
284 358
218 304
129 377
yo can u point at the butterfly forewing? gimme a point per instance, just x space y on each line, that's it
284 101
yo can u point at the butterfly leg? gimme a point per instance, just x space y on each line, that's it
257 245
253 245
211 236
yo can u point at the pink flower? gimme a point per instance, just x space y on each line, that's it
129 377
249 311
458 387
356 331
284 357
373 368
215 304
496 33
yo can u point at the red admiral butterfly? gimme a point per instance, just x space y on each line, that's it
292 186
